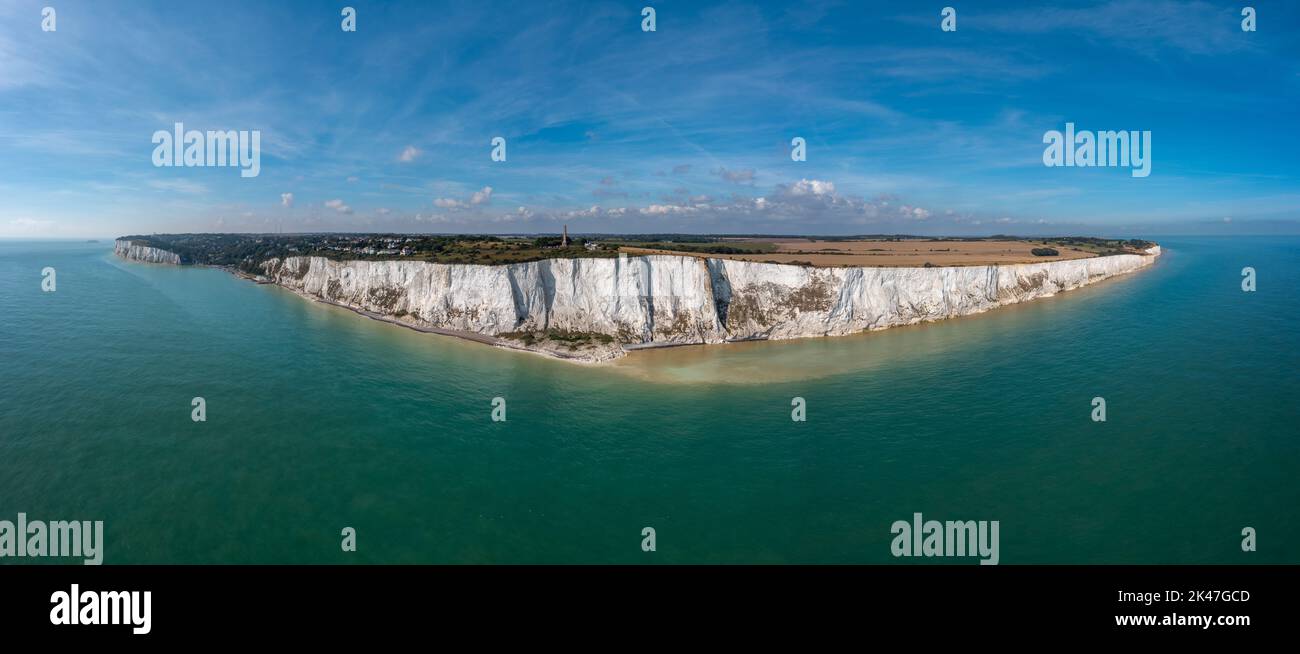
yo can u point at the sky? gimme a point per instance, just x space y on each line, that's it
612 129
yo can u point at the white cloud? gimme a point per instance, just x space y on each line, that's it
810 187
409 154
802 204
479 197
286 199
914 213
338 206
664 209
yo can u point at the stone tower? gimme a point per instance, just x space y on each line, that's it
564 240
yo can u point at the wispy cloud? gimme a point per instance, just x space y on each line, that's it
178 186
1142 25
688 128
745 176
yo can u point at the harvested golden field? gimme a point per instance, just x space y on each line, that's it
896 253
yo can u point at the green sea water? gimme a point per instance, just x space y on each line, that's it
320 419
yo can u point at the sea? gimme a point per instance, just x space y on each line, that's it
319 422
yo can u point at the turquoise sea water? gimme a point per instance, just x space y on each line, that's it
319 419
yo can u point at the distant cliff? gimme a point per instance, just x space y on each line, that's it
595 309
137 252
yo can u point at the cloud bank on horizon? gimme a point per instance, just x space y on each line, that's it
907 128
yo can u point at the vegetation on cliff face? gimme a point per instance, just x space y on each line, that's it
572 339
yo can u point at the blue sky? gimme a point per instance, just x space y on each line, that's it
909 129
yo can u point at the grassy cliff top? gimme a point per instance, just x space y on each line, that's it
247 251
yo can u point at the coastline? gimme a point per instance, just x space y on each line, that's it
482 339
721 308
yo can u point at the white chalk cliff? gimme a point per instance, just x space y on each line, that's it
666 300
137 252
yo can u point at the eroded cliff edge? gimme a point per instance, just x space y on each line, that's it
596 309
138 252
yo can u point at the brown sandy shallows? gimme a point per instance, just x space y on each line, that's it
905 253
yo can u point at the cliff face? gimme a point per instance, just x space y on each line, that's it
757 300
129 250
661 300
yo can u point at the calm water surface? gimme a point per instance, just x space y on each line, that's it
319 419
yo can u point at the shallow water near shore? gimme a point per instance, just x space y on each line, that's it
319 419
760 362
